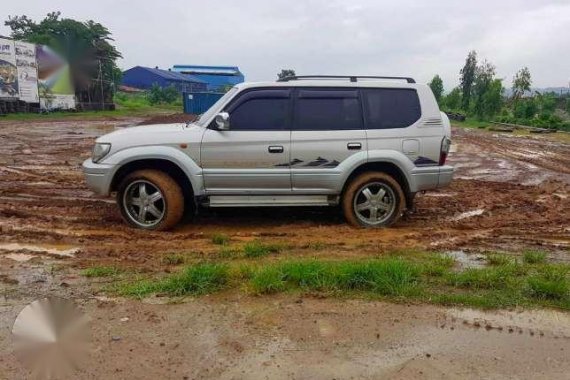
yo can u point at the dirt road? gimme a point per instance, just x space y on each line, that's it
511 193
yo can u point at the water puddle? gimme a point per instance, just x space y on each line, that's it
468 214
61 251
440 195
535 322
466 261
20 257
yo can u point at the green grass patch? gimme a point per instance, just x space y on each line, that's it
173 259
499 259
392 276
500 277
437 265
256 248
534 257
220 239
100 271
196 280
227 252
420 276
550 283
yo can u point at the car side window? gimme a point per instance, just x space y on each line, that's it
261 110
327 109
391 107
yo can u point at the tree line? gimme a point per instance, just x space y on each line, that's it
481 95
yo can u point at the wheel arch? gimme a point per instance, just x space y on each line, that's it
160 164
387 167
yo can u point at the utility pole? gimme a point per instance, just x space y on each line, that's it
101 81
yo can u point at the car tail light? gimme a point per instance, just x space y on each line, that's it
445 144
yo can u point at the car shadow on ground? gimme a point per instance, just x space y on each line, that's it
266 216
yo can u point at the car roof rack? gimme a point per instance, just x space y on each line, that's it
352 78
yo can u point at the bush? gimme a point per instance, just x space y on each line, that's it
161 95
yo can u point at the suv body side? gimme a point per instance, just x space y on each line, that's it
303 141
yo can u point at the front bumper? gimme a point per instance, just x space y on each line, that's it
430 177
98 176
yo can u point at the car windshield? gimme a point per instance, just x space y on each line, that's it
215 108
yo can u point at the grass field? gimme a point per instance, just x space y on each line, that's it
431 277
127 105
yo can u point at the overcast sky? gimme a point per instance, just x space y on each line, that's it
411 38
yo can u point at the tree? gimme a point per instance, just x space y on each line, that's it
546 103
484 77
86 46
436 86
467 77
521 83
492 99
452 101
285 73
525 108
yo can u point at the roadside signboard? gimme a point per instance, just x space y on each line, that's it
54 80
8 71
27 71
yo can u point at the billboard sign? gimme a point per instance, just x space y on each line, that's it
54 80
8 71
27 71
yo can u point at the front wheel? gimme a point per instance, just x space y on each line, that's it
150 199
373 199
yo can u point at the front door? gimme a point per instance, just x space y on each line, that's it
327 131
252 157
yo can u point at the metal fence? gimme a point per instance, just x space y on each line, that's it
196 103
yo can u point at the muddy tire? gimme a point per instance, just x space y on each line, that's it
151 200
373 199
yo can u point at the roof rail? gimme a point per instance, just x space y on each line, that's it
353 78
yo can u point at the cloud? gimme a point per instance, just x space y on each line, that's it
412 38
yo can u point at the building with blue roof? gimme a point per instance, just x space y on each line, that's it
217 78
144 77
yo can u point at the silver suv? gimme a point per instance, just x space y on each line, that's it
366 143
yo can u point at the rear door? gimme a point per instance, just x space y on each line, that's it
395 122
252 157
327 130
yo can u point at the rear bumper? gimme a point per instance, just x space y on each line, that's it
430 177
98 176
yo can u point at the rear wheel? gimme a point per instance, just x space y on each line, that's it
373 199
150 199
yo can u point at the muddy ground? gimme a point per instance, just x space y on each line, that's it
511 193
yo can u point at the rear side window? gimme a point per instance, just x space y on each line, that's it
326 109
261 110
391 107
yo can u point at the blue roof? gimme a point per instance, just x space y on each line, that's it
171 75
215 70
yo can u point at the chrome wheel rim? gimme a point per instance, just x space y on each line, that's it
144 203
374 203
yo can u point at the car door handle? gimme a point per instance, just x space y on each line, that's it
275 149
354 146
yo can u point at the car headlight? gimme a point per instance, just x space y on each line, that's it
100 150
